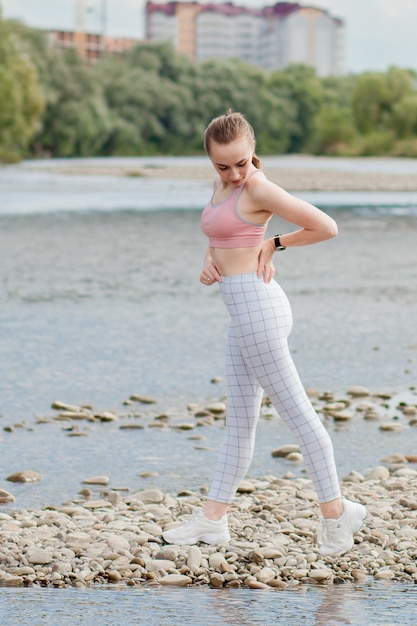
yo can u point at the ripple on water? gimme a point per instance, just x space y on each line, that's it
376 604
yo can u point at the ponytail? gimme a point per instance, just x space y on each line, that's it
256 161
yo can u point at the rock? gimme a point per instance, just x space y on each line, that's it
25 476
6 497
40 557
295 457
114 576
175 580
410 411
342 416
320 575
246 486
216 580
217 561
265 575
284 451
149 496
394 458
392 426
378 473
257 584
358 392
106 416
371 415
217 408
159 565
142 399
194 558
168 554
384 574
74 415
96 480
313 394
118 543
63 406
335 407
272 523
97 504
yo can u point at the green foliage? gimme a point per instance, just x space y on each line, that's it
299 93
150 100
21 101
333 131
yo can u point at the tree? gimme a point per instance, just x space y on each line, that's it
21 102
300 93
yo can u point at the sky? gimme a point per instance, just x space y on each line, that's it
379 33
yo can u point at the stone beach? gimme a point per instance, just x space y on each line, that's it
108 535
308 175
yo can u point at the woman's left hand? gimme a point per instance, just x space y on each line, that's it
265 264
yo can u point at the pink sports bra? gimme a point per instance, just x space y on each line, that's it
225 228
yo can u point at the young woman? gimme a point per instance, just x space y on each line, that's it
258 358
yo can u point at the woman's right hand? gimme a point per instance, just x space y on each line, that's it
210 273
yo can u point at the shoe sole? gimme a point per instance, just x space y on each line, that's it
208 538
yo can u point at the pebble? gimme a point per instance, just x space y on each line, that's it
5 496
284 451
358 392
117 539
272 524
96 480
378 473
25 476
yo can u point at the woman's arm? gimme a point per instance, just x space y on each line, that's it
315 225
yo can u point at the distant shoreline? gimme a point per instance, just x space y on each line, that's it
295 179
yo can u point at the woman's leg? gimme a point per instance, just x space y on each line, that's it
262 321
244 397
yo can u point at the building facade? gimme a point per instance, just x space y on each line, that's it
91 46
272 37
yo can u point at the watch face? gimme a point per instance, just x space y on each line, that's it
277 243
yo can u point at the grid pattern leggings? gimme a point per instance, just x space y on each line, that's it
257 360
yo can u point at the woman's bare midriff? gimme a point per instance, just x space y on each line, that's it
231 261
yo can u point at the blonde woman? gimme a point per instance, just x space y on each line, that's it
258 361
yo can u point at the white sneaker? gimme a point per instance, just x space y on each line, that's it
198 528
335 536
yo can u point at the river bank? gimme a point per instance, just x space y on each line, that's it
273 521
296 173
105 536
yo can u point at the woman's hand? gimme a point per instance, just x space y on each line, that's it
210 274
265 264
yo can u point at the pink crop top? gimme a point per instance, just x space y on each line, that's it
225 228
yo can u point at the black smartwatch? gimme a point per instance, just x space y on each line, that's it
278 245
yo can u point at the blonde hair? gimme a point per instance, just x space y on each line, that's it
226 128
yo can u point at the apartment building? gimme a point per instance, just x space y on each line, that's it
91 46
272 37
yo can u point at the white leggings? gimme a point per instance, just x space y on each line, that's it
258 359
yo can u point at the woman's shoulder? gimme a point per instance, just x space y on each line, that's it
264 193
258 183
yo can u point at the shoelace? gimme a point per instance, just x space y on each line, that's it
193 517
328 531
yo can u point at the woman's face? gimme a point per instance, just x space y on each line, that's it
233 161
